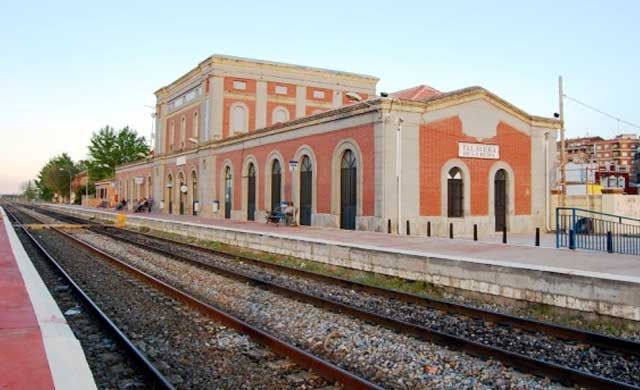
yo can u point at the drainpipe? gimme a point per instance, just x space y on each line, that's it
546 181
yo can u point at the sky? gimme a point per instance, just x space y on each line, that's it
69 68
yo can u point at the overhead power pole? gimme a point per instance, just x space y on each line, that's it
563 156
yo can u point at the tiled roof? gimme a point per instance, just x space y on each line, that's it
417 93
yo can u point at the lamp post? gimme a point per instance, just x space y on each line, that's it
70 181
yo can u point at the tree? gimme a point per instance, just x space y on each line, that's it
29 190
109 149
54 177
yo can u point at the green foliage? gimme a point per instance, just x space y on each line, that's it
54 177
29 190
109 149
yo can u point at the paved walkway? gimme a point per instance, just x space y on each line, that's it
592 264
37 348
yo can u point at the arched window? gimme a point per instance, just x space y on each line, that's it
228 187
172 135
280 114
348 190
183 132
306 190
239 120
196 125
455 193
621 182
276 180
251 193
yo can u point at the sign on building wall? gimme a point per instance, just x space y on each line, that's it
470 150
139 180
182 160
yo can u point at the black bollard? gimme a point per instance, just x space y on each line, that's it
389 226
504 235
429 229
538 236
572 240
609 242
475 232
451 230
408 229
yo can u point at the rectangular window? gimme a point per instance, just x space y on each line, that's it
281 90
318 94
239 85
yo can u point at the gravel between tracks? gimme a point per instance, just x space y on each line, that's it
535 344
189 349
381 355
110 365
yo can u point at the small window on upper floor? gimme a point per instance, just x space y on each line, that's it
280 114
281 90
183 131
318 94
196 125
237 84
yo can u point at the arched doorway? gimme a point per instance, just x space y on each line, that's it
251 192
455 193
170 193
306 191
500 199
181 193
194 192
276 180
228 186
348 190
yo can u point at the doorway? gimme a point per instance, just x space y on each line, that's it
500 199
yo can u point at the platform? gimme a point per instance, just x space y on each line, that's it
38 350
590 281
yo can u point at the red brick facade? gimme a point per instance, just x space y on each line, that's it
439 143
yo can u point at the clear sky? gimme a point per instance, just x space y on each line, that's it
68 68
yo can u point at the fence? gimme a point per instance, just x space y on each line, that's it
586 229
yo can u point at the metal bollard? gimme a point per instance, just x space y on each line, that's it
451 230
504 235
475 232
572 240
408 229
389 226
609 242
429 229
537 236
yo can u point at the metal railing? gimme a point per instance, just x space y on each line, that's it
592 230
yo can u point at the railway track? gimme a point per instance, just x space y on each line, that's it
327 370
606 347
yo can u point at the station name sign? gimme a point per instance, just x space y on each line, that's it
470 150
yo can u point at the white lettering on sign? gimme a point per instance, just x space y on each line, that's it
139 180
478 150
182 160
281 90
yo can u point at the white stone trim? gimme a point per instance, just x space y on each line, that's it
341 147
444 187
306 150
245 185
510 191
274 155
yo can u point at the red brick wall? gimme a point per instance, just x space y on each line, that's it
439 143
226 124
250 85
328 95
323 146
271 106
291 89
176 118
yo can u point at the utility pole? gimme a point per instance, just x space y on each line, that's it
563 156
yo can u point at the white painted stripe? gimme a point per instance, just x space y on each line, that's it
67 362
432 255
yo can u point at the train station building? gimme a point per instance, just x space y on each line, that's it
236 136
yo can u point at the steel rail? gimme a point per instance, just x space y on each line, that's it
324 368
561 373
153 374
622 345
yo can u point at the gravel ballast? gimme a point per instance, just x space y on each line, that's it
390 359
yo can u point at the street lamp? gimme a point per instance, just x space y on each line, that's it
70 181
